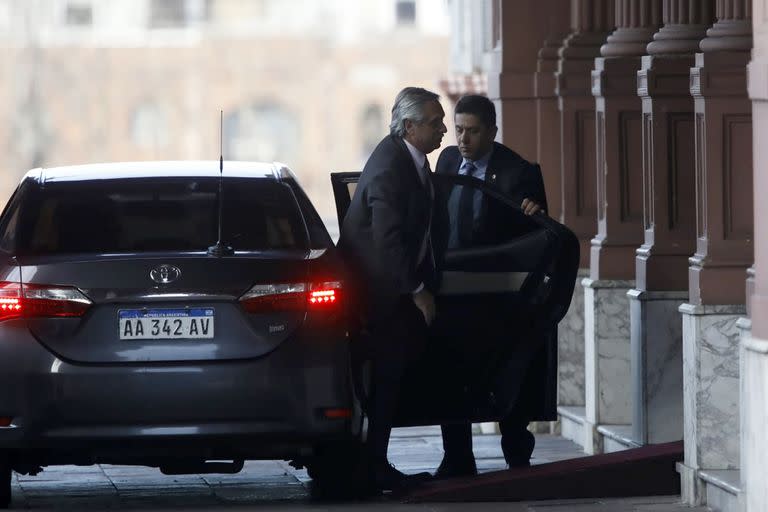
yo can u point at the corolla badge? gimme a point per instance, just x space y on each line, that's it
165 274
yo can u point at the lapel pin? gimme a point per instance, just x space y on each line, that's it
493 177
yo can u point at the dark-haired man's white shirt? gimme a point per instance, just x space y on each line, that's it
476 169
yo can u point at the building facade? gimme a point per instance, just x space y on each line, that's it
648 117
304 82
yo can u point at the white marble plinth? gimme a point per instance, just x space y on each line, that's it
657 365
721 489
754 419
691 486
570 349
710 392
607 380
572 422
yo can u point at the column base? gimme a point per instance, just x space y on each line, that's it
607 380
711 404
571 419
570 367
719 490
754 416
691 491
657 365
593 441
570 349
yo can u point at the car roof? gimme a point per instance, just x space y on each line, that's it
154 169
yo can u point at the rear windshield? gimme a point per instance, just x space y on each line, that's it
139 215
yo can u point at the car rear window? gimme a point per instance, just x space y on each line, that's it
140 215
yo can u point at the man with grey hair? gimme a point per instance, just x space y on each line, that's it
385 240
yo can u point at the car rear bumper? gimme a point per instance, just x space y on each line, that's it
128 445
266 407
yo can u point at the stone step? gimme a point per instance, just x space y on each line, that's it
722 489
572 423
617 438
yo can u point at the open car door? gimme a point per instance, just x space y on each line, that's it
507 280
343 184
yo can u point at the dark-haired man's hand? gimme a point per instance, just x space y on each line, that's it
530 207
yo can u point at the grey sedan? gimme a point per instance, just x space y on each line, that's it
149 316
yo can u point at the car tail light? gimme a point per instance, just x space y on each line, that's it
263 298
336 413
35 300
325 294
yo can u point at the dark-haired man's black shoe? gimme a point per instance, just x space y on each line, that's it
453 468
386 477
518 463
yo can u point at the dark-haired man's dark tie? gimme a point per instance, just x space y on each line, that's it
466 213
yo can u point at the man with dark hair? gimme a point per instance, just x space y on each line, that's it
479 156
385 239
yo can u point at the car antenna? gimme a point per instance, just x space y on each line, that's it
220 249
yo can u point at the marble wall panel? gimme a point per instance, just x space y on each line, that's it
711 385
754 404
657 366
607 352
570 354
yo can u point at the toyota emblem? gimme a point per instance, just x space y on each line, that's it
165 274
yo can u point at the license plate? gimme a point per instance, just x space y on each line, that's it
166 324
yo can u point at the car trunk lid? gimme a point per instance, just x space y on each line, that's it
192 314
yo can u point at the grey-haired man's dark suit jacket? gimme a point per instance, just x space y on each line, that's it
383 230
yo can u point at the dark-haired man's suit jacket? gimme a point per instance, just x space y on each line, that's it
518 178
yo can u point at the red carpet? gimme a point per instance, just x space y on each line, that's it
645 471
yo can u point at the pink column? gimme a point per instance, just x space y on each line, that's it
723 159
518 31
547 112
591 22
619 140
570 349
717 84
758 92
754 347
668 146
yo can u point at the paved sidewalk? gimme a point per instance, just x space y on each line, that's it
274 485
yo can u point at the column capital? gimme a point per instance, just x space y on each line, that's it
551 49
677 39
664 76
615 77
719 74
582 45
733 30
685 25
628 42
546 67
637 21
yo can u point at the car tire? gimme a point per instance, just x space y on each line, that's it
5 484
338 470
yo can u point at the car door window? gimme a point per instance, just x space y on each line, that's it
488 245
343 185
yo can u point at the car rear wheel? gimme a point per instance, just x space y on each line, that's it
5 483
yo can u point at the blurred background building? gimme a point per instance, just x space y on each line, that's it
305 82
